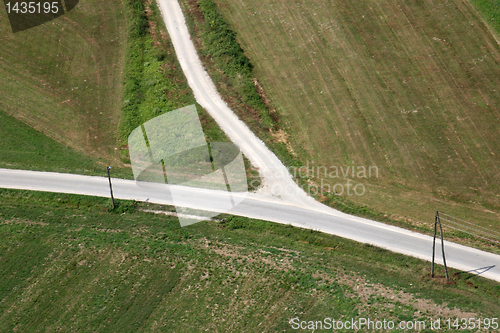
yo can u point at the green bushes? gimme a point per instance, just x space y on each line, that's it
153 82
233 74
123 207
220 44
137 19
133 69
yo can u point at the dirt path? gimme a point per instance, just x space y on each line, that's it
277 181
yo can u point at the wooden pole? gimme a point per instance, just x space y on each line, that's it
111 188
434 243
442 249
437 221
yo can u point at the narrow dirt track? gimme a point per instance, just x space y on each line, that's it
277 181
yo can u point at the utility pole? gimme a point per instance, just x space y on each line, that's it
437 221
111 188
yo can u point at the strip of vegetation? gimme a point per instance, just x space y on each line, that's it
220 44
232 73
68 262
490 9
153 80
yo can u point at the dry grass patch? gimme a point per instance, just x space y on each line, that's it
64 78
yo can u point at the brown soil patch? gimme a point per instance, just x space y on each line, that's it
365 290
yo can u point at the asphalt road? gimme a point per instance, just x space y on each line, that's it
262 207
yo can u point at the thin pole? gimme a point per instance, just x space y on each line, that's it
434 243
437 221
442 248
111 188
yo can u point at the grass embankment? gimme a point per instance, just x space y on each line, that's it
22 147
154 81
490 10
410 88
69 264
64 79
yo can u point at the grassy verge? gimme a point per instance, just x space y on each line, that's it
68 263
490 9
153 80
221 46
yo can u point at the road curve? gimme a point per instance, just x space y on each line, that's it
262 207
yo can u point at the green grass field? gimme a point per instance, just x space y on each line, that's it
410 88
70 264
22 147
61 86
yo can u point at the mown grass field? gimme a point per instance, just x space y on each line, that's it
22 147
64 78
411 88
70 264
